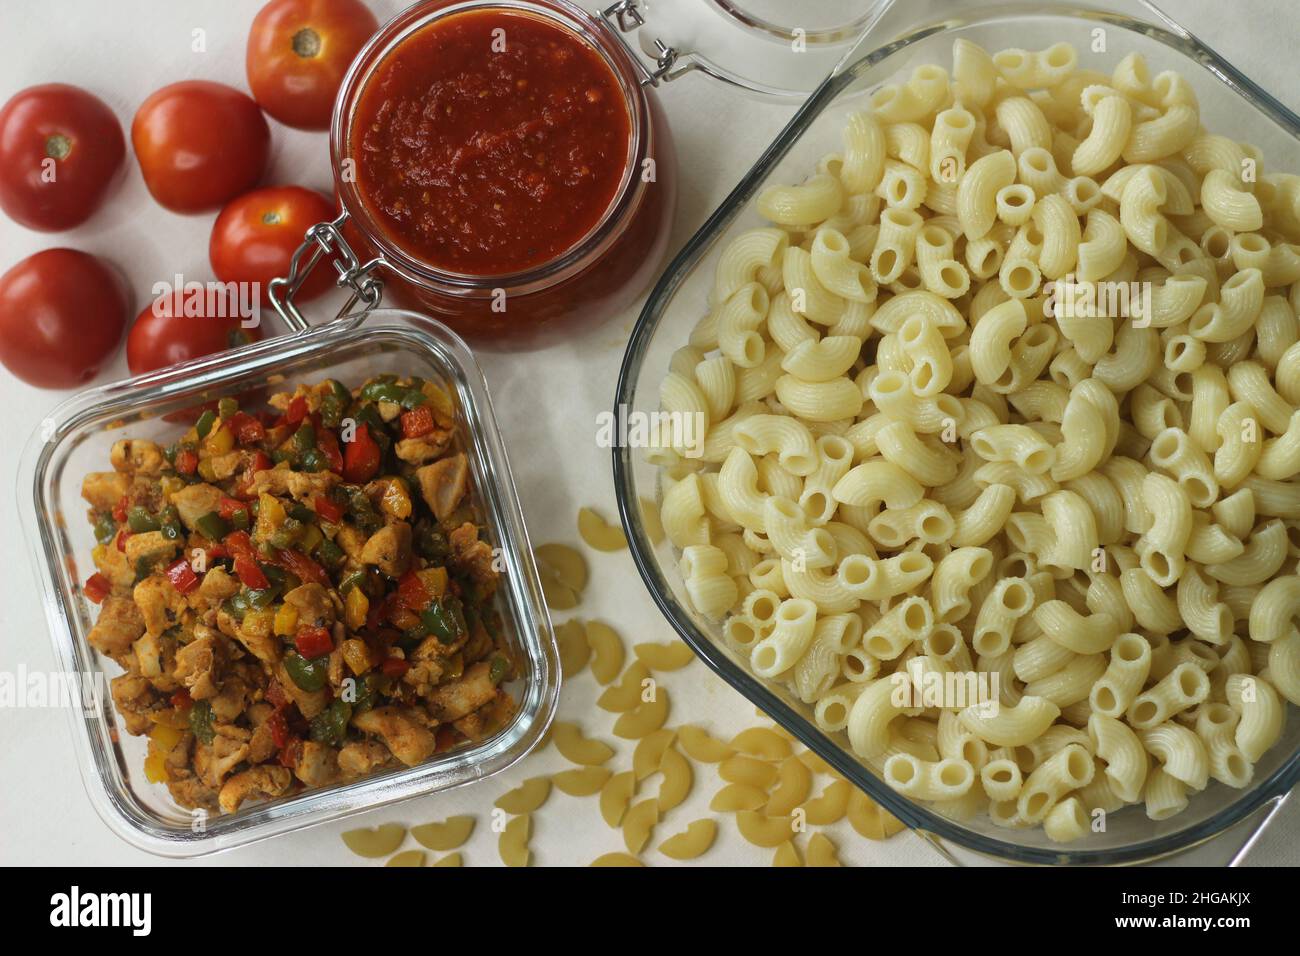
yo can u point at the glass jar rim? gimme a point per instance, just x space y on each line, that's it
568 16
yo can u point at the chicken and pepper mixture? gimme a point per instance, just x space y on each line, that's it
298 597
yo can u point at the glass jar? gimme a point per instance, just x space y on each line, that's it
597 277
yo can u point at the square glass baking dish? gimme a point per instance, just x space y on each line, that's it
903 36
75 439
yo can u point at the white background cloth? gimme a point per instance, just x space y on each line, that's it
546 402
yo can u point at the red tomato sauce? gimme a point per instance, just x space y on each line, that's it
490 142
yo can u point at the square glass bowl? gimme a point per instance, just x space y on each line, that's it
76 438
899 40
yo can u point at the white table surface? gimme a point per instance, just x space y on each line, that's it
126 49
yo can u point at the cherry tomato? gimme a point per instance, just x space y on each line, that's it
255 236
200 144
61 151
61 316
298 52
164 335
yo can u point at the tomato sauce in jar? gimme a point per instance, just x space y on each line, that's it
490 142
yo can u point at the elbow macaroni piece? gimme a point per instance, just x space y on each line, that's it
1003 407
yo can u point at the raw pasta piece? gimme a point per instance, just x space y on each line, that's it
626 694
638 825
677 782
512 845
870 819
664 657
762 742
649 752
654 526
571 637
792 789
750 770
563 571
451 859
582 782
830 806
607 651
576 748
787 855
646 718
736 797
616 795
821 852
526 797
407 858
447 835
700 746
691 843
599 533
616 859
762 830
376 841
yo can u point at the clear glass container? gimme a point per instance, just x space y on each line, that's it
601 275
903 36
76 438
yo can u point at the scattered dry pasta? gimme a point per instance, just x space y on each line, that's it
376 841
525 798
691 843
576 748
599 533
512 845
450 834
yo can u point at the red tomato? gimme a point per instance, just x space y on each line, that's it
199 144
61 150
298 52
255 236
160 338
61 316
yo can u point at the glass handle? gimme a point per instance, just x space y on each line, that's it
627 17
325 240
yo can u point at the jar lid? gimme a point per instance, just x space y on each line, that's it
774 48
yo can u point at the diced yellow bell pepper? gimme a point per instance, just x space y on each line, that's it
434 581
171 484
177 719
155 768
206 471
270 515
258 623
355 607
356 655
164 737
395 500
310 539
444 410
286 620
219 441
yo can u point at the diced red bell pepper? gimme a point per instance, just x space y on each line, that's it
328 510
119 509
187 461
279 728
248 430
296 411
229 507
260 461
379 610
97 588
394 667
181 700
411 592
313 641
182 576
238 542
249 574
417 422
307 570
328 443
360 456
291 753
276 697
121 539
